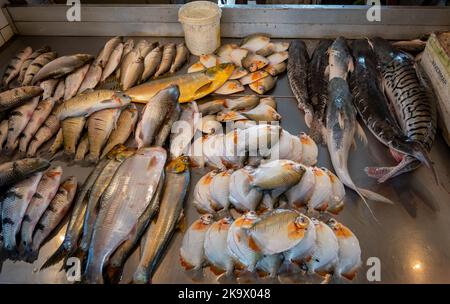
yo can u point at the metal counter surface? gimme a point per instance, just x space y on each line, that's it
411 240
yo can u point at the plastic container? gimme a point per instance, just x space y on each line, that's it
201 25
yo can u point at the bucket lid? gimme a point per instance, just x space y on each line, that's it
199 12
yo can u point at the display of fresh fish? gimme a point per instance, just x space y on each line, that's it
151 63
209 60
45 192
412 46
242 103
184 131
38 117
144 47
192 252
253 62
113 61
106 52
336 201
18 96
58 143
224 51
277 58
237 56
230 87
203 201
13 68
168 57
82 148
15 171
127 47
182 55
125 200
91 78
318 89
29 60
255 42
45 132
297 71
273 47
88 103
216 249
276 69
36 65
242 195
252 77
131 69
226 116
49 87
125 126
263 85
100 125
154 114
72 128
18 120
74 80
209 125
58 208
61 66
238 73
14 204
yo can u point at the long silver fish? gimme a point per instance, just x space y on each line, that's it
74 227
113 62
373 107
15 171
39 116
18 96
58 208
13 68
341 118
45 192
159 234
29 60
125 126
36 66
318 89
62 66
411 101
14 205
74 80
125 200
297 71
154 114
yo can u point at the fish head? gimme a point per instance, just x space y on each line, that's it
174 92
121 98
179 164
383 49
207 219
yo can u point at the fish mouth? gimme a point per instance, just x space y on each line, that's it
422 155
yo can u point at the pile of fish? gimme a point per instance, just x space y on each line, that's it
33 207
258 61
276 242
130 197
276 182
404 119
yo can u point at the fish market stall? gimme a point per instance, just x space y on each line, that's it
409 238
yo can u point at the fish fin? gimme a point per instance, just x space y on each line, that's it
341 120
361 134
375 196
182 225
216 270
57 256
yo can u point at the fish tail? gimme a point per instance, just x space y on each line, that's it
141 276
422 155
57 256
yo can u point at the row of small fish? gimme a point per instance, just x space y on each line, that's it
272 183
275 242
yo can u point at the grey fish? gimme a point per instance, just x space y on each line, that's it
318 89
159 233
124 203
106 51
116 263
29 60
165 129
92 78
62 66
182 55
57 209
113 62
151 63
45 192
415 111
131 69
95 193
13 68
39 116
154 114
372 105
74 80
167 58
15 171
45 132
18 96
57 144
49 87
125 126
36 66
14 205
72 128
18 121
297 71
82 148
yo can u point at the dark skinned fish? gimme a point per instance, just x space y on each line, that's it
37 65
159 233
18 96
15 171
62 66
29 60
13 68
297 71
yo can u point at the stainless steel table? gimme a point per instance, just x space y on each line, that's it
412 239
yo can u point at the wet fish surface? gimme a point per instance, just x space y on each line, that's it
61 66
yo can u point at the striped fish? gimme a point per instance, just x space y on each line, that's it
29 60
415 110
36 65
13 68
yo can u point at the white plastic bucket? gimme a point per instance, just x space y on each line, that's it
201 25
